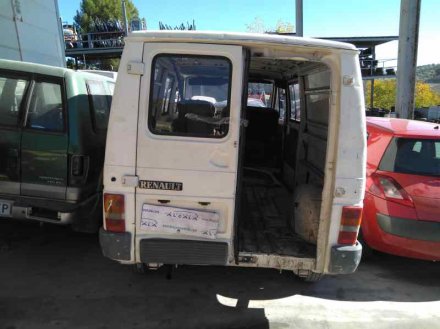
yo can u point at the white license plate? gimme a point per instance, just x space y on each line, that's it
179 221
5 208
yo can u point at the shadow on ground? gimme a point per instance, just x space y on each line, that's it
51 277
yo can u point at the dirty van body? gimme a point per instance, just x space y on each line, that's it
53 128
199 170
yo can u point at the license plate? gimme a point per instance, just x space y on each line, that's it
179 221
5 208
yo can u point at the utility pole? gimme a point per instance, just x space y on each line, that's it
124 18
407 57
299 18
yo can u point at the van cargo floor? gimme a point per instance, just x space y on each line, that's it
264 223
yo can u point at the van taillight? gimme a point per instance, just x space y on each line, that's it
114 212
350 223
77 165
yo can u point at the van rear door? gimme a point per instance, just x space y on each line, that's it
187 153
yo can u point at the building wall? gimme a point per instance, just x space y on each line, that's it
31 32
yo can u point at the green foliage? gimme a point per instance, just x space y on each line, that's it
385 94
283 27
104 10
258 26
70 63
430 72
188 26
111 64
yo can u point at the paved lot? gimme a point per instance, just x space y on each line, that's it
51 277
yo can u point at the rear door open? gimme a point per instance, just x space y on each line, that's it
187 153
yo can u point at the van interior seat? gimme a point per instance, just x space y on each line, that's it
201 108
262 135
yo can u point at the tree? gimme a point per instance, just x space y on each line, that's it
105 10
91 11
188 26
258 26
283 27
385 94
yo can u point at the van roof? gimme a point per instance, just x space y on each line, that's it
233 38
54 71
19 66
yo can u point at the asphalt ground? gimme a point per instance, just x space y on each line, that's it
51 277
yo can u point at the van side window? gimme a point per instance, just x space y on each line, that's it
317 90
46 107
11 96
260 94
295 102
99 103
190 96
280 104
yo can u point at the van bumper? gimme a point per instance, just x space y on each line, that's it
116 246
345 259
51 210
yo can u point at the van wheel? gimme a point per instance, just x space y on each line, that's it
312 277
367 252
140 268
89 221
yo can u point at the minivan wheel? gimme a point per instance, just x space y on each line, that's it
89 221
312 277
367 251
140 268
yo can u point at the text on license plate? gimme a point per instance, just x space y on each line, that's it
5 208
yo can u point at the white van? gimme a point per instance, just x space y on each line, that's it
235 149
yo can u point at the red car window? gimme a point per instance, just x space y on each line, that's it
412 156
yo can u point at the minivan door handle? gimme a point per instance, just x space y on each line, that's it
130 180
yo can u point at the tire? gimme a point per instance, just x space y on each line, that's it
367 251
140 268
89 221
312 277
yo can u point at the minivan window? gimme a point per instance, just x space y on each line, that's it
100 103
295 102
260 94
190 96
412 156
280 104
11 96
46 107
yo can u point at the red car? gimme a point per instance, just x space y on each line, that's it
402 197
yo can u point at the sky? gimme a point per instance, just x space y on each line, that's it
322 18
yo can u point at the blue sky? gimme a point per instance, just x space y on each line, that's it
322 18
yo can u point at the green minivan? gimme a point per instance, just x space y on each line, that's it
53 124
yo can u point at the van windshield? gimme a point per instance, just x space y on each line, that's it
412 156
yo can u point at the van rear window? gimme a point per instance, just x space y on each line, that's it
190 96
412 156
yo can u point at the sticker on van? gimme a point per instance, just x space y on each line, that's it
179 220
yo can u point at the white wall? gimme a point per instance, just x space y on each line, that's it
30 31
